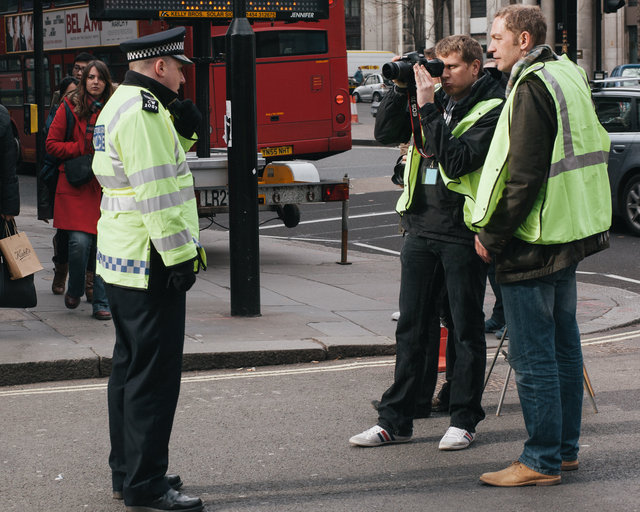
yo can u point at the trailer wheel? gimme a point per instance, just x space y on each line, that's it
290 215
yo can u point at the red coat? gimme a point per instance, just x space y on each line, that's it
75 208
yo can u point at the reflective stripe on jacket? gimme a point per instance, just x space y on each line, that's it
463 185
148 189
575 201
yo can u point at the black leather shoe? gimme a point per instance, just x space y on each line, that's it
174 481
170 500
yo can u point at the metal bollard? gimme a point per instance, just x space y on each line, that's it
345 228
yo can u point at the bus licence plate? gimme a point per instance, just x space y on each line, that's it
213 197
277 151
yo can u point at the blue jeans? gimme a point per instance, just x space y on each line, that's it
423 261
80 248
545 353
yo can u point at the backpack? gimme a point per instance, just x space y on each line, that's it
49 171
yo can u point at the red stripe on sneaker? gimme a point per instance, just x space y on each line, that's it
385 435
468 436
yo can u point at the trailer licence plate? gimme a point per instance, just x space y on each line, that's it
277 151
214 197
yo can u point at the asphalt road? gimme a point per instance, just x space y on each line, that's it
275 439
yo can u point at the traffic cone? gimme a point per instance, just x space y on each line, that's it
354 111
442 359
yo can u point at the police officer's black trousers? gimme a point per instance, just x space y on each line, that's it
144 385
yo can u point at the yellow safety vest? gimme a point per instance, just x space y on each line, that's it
148 194
575 200
462 185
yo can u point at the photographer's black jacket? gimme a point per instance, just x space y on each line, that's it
436 211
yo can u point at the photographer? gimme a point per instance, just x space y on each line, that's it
457 124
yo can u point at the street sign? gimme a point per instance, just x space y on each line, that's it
291 10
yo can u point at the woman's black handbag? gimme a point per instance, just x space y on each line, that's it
15 293
78 170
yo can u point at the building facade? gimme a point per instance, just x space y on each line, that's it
405 25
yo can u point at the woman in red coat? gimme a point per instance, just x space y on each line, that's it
77 209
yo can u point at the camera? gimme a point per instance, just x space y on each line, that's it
402 69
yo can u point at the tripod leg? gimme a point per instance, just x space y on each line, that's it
504 390
495 357
589 388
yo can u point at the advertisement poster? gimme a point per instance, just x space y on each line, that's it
66 28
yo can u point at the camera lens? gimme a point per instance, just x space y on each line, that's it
390 70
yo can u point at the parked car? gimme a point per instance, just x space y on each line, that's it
373 88
625 70
618 109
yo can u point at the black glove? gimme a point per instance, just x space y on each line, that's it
181 276
186 117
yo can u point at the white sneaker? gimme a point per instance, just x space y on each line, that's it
377 436
456 439
395 316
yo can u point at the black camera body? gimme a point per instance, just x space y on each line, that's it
402 69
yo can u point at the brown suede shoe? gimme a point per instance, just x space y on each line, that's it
569 465
518 475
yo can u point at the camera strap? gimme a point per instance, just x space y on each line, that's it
416 127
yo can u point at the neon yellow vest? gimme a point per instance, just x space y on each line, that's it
467 185
148 194
460 185
575 200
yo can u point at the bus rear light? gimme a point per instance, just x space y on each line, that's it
340 118
335 192
339 99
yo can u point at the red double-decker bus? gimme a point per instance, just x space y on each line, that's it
301 70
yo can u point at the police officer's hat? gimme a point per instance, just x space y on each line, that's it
169 42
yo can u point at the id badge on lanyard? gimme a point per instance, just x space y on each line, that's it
430 176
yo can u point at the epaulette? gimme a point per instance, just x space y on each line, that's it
149 103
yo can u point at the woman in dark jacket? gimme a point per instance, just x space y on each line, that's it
9 192
77 209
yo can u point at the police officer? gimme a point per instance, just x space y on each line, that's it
147 246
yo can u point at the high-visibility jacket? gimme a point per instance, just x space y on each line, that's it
148 194
463 185
575 200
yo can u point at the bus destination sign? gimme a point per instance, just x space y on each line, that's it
290 10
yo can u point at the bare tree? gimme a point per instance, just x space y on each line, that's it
414 24
438 15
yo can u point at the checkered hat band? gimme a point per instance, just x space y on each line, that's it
176 48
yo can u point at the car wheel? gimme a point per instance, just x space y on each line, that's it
631 204
357 97
376 97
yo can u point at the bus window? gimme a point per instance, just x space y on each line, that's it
7 6
31 94
11 93
280 43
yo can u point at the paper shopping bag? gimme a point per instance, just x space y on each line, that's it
19 255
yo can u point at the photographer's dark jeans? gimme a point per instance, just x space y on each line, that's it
465 277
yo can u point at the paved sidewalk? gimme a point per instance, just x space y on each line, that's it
312 309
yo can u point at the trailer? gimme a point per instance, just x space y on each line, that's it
282 186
